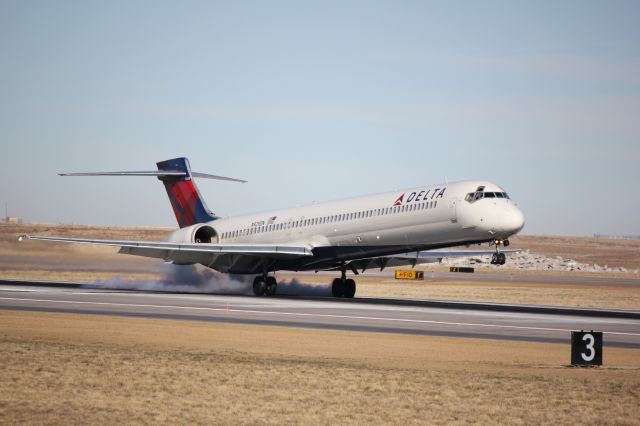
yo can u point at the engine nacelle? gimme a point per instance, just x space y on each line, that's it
199 234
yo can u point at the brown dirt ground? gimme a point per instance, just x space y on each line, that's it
73 369
589 250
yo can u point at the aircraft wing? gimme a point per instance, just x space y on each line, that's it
187 253
418 257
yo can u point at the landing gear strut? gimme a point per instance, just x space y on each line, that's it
264 285
499 258
343 287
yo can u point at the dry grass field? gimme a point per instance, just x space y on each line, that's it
74 262
74 369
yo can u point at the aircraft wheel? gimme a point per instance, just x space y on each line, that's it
271 286
494 259
349 288
502 259
337 288
259 286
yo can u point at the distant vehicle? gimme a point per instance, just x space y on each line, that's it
377 231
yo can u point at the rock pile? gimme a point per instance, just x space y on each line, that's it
532 262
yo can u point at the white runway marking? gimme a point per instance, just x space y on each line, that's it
14 290
303 314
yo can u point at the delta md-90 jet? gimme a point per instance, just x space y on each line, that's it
405 227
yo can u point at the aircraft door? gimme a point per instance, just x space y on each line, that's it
453 215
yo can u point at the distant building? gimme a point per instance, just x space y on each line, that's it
12 219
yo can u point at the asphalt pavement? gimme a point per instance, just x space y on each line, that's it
323 313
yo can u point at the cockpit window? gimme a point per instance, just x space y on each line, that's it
475 196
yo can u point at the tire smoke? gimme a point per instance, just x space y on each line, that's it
296 288
187 279
198 279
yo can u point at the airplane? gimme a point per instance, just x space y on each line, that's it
390 229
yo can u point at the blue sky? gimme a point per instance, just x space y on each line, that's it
312 101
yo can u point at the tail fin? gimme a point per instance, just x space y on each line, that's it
186 201
176 175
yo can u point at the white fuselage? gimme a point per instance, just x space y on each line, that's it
419 218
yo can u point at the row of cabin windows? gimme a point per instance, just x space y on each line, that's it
329 219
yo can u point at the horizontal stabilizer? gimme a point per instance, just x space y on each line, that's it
158 173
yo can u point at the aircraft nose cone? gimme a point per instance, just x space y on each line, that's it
512 221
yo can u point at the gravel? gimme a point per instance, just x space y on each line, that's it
533 262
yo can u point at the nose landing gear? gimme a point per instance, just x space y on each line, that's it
499 258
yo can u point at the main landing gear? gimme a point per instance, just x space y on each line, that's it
264 285
499 258
343 287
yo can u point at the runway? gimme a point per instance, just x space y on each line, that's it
321 313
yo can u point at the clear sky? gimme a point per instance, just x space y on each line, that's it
313 101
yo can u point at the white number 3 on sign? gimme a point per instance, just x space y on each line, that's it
592 351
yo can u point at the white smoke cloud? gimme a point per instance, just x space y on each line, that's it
187 279
198 279
296 288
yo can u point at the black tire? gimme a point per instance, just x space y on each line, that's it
259 286
337 288
502 259
494 259
272 286
349 288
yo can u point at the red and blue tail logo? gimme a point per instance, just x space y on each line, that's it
186 201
